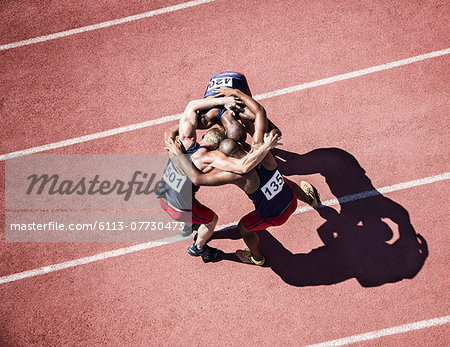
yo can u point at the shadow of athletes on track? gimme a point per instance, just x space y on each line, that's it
358 243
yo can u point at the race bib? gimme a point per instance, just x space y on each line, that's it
273 186
220 82
174 179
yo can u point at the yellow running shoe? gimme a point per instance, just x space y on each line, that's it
311 192
247 257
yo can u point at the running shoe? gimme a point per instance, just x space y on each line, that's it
247 257
311 192
207 253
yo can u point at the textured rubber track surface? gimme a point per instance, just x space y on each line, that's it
392 125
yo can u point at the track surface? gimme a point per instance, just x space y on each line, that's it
393 124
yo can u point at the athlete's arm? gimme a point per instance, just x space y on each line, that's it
260 122
189 120
272 128
214 179
249 116
255 112
171 133
196 176
247 163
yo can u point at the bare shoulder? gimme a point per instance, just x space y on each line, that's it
251 182
269 162
210 156
201 159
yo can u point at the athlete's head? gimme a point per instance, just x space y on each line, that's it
231 148
236 132
213 138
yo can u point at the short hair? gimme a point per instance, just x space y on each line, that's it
213 138
228 147
237 132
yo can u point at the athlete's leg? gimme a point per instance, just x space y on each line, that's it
305 193
208 220
251 239
299 193
205 231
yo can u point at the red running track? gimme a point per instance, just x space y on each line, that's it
392 123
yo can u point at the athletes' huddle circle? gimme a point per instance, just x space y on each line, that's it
230 113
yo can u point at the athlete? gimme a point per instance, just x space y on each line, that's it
274 196
219 115
234 80
177 193
206 158
238 122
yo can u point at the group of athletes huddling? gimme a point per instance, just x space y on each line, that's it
230 113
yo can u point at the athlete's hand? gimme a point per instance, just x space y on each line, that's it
271 140
233 105
224 91
174 147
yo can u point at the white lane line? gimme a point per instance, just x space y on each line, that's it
148 245
268 95
103 24
87 260
354 74
383 190
86 138
386 332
